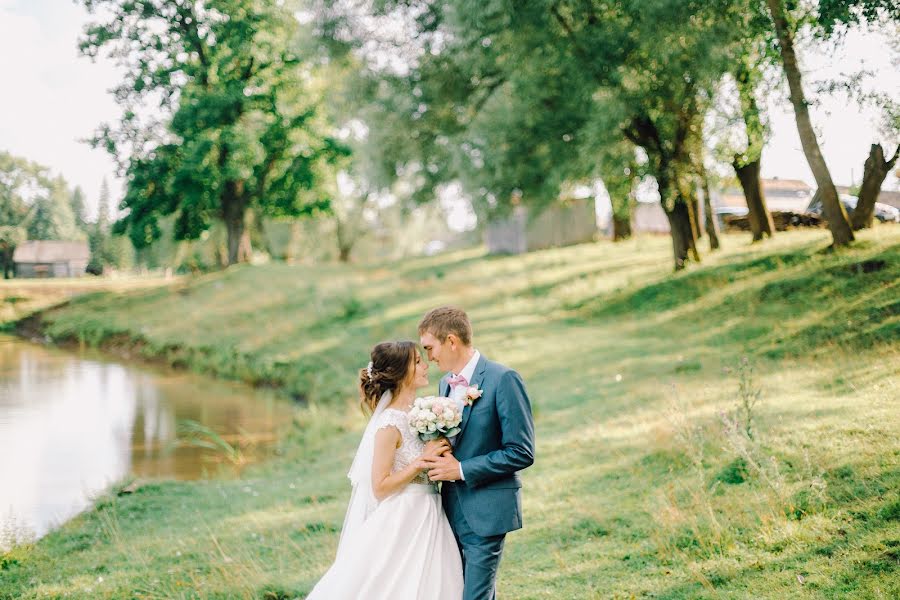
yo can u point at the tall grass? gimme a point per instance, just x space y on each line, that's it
194 434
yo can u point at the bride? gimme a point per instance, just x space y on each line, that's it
396 543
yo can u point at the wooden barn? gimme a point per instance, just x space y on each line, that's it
564 223
51 258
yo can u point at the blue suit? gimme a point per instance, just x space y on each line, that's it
496 440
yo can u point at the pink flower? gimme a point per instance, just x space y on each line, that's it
472 394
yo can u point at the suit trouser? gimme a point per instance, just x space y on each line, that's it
480 555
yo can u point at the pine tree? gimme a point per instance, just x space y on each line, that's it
103 207
78 207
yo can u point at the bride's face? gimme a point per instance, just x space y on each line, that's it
420 373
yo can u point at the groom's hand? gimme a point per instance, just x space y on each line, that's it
443 468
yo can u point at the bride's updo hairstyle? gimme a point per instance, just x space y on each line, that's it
391 364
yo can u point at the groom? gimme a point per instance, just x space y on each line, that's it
481 492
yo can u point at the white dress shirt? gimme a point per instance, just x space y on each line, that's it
458 392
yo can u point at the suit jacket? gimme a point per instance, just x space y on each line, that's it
496 440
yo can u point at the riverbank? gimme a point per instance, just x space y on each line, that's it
645 484
22 297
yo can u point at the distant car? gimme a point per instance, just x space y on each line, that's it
883 212
729 211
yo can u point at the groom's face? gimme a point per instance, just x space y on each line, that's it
439 352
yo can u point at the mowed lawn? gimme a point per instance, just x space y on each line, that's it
650 480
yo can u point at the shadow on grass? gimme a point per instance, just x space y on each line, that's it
772 303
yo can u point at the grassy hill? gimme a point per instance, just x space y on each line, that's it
729 431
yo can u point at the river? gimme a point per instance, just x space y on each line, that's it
74 423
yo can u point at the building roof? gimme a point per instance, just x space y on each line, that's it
785 185
781 194
51 251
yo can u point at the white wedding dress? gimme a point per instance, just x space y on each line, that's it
403 547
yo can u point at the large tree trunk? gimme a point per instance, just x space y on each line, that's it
674 195
233 214
874 173
760 218
712 226
682 221
684 244
841 232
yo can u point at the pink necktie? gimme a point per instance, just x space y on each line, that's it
456 380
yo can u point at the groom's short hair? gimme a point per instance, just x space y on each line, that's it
441 322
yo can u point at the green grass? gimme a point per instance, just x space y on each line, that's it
642 486
20 297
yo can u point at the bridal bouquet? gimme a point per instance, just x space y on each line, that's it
434 416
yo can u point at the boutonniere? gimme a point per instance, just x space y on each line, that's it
472 394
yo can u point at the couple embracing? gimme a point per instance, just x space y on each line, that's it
403 538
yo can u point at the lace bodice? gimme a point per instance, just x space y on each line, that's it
410 446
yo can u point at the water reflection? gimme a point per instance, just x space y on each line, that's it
71 425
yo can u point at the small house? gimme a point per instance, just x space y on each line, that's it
51 258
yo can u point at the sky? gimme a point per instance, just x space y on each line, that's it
54 99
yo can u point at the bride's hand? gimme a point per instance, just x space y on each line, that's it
436 447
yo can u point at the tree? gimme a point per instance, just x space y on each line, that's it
53 218
712 226
656 64
517 102
10 237
838 223
620 186
748 164
832 19
349 214
79 209
18 180
103 207
874 173
240 134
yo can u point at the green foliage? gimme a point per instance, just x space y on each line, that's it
890 511
79 210
33 200
519 102
733 473
836 15
10 237
241 133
